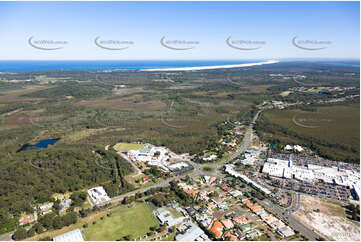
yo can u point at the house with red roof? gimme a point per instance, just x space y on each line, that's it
217 229
240 220
28 219
232 236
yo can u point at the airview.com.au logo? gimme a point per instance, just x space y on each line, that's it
46 44
311 45
246 45
112 44
178 44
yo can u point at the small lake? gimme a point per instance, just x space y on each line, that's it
42 144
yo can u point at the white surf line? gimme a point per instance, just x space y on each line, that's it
198 68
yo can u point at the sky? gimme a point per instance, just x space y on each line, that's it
270 26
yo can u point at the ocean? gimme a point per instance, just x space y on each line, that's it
25 65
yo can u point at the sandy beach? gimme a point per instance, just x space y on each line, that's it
199 68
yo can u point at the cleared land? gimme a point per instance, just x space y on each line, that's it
125 221
328 218
127 146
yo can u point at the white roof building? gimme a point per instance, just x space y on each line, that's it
74 235
283 168
230 170
298 148
165 217
98 195
193 233
285 231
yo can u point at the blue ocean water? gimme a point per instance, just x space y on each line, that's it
24 66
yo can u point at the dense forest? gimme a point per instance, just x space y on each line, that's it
325 141
33 176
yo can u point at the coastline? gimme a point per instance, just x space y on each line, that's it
199 68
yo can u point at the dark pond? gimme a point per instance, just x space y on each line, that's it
42 144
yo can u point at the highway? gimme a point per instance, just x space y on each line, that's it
290 219
197 167
286 215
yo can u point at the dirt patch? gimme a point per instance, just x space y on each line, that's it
328 218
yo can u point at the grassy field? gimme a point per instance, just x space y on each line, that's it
127 146
334 129
124 221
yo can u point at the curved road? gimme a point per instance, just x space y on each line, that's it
197 167
292 221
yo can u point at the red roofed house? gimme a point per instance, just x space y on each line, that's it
28 219
217 229
240 220
191 192
255 208
232 236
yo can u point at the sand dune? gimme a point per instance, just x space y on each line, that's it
199 68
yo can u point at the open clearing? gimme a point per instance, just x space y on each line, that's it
127 146
124 221
328 218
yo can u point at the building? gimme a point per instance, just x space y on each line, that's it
231 236
227 223
217 229
192 233
46 206
311 173
230 170
285 231
64 205
165 217
235 193
74 235
250 157
253 233
180 168
98 195
240 220
28 219
245 227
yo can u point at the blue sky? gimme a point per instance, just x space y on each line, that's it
209 23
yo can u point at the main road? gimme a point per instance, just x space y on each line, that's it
292 221
197 167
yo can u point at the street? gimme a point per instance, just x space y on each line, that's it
286 215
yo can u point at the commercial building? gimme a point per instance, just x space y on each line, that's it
230 170
98 195
285 231
74 235
165 217
192 233
311 173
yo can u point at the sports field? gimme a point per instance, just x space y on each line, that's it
127 146
133 222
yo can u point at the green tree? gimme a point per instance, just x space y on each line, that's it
20 234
